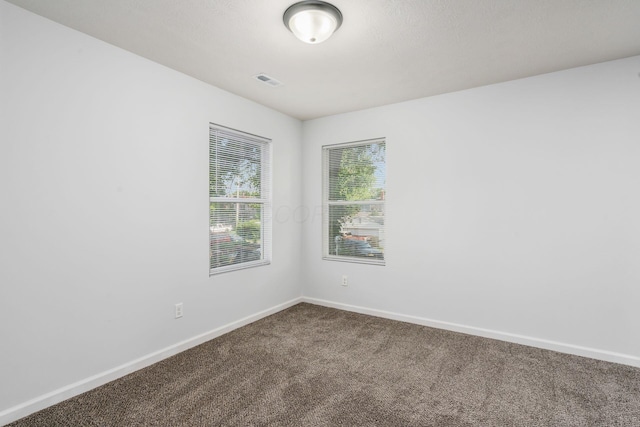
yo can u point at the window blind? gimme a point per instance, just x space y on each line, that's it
354 190
239 200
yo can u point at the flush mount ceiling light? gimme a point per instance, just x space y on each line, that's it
312 21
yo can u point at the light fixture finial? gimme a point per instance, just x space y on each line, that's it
312 21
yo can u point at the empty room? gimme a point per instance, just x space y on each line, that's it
420 213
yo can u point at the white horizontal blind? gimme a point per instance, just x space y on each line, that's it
354 181
239 200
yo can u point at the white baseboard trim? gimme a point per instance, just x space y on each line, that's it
22 410
593 353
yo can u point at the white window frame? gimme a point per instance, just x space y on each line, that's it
216 132
327 203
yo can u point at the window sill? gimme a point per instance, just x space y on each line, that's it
356 260
236 267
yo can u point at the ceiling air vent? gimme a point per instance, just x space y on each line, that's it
268 80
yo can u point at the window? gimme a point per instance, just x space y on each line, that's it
353 201
239 200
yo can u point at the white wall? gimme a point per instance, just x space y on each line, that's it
512 211
104 219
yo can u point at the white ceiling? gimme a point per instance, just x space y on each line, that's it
386 50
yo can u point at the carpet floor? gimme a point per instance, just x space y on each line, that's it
316 366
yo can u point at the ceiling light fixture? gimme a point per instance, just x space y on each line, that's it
312 21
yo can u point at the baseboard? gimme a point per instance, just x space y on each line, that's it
607 356
15 413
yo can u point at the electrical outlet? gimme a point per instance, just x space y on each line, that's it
345 281
179 310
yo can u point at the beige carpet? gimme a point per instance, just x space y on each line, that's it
315 366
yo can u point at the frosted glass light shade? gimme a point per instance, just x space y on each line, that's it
312 21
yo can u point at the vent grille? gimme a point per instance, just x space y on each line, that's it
268 80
